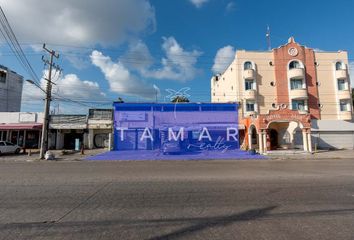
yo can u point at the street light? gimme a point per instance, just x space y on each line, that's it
35 84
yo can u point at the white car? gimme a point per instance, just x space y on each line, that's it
7 147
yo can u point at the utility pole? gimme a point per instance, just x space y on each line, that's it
44 139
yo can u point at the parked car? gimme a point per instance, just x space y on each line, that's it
7 147
171 147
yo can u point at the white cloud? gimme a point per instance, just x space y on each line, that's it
198 3
68 86
178 64
84 94
120 79
223 59
138 56
79 22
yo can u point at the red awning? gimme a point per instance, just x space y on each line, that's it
20 126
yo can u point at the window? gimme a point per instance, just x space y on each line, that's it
294 64
296 84
249 85
2 144
2 77
9 144
248 65
298 105
344 106
339 66
3 135
250 106
341 85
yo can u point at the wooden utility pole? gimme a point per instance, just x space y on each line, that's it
44 138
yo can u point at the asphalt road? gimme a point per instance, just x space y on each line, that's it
294 199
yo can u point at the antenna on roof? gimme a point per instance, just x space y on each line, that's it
268 38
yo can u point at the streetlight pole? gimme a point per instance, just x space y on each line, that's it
44 138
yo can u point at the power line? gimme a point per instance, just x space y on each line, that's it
14 45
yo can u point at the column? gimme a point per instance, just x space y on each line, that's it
24 138
265 141
305 140
110 141
260 143
90 139
309 142
39 139
57 140
250 140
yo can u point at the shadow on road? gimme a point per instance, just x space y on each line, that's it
215 222
196 224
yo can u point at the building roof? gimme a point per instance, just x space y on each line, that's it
178 107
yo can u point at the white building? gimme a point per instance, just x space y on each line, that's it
93 130
10 90
21 128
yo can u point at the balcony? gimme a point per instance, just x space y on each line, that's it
341 74
347 115
249 74
250 94
344 94
296 73
298 93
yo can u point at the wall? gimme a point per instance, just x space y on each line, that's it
328 83
226 88
264 76
11 92
21 117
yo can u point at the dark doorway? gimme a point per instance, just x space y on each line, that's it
254 137
69 140
273 137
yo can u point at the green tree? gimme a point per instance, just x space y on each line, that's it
120 100
180 99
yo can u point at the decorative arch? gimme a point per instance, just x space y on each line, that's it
252 136
249 65
340 65
295 64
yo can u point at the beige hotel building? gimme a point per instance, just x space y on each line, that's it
291 97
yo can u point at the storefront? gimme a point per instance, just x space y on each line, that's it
23 135
21 128
66 130
175 127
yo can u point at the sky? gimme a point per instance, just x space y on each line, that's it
139 49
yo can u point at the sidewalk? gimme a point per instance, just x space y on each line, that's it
274 155
320 154
60 155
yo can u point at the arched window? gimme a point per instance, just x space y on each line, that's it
248 65
295 64
339 66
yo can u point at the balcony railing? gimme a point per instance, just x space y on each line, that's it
341 74
296 73
249 74
347 115
250 94
344 94
298 93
